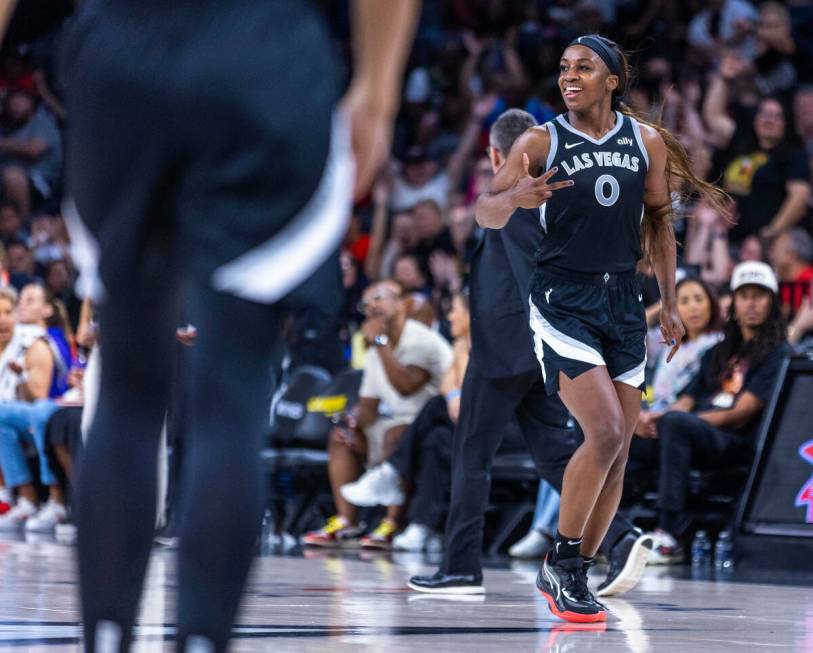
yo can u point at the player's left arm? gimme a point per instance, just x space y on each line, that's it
658 214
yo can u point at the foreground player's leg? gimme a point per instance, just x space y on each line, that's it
222 488
116 485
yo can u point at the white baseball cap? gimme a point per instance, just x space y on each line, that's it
754 273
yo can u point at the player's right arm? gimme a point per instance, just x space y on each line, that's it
514 186
6 11
382 36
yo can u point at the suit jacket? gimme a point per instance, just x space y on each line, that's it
499 285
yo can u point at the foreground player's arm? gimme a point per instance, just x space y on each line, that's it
514 186
658 213
382 35
6 12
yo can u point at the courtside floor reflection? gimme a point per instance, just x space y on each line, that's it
350 602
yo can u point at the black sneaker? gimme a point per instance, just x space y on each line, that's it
564 586
627 560
440 583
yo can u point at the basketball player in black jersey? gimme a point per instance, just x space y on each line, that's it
204 153
610 204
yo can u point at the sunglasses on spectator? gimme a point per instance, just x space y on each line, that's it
364 304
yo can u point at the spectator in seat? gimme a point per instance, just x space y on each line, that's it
433 234
409 274
11 223
58 279
723 23
775 50
30 153
763 165
403 369
390 235
35 376
790 256
419 176
21 266
422 459
8 300
713 423
803 112
698 310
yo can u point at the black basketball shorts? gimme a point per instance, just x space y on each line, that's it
203 141
580 321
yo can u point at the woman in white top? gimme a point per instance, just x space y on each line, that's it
700 313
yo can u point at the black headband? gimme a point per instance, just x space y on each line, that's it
608 55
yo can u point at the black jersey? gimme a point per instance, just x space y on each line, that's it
595 225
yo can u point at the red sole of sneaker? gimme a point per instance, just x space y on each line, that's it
573 617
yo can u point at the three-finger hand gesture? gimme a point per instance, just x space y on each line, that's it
531 192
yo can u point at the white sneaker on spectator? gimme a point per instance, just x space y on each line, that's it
534 545
47 517
415 538
379 486
14 519
65 533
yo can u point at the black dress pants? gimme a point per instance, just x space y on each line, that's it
686 441
423 456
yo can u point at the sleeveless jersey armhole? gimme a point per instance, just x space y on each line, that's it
636 129
554 144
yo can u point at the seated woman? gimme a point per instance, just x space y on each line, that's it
713 422
422 457
699 311
37 371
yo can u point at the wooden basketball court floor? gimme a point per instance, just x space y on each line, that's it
359 603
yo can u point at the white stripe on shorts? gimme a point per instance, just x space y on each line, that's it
562 344
85 253
270 271
635 376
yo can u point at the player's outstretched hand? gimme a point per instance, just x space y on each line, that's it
672 331
531 192
370 134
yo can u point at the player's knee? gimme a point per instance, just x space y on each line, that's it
609 439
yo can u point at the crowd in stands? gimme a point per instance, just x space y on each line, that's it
730 78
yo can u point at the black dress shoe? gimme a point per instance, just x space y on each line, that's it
627 562
448 584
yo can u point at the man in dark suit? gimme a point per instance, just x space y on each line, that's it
504 380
